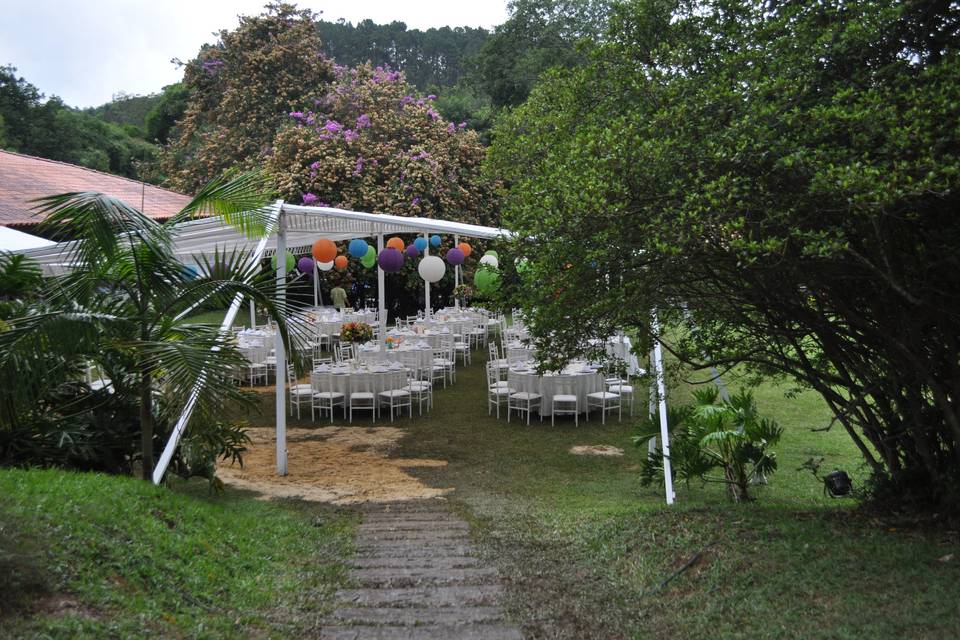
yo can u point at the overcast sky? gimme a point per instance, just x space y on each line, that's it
87 50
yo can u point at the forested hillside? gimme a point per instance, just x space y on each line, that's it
31 125
126 109
472 72
430 59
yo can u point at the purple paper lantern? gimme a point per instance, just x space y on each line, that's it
412 251
455 256
305 265
390 260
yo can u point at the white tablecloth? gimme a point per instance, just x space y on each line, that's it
621 347
420 353
348 379
431 337
571 381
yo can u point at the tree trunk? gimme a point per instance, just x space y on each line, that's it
146 424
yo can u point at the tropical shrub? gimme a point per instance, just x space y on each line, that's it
727 443
124 310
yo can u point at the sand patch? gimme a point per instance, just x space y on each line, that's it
342 465
596 450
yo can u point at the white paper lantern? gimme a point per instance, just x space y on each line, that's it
432 269
490 261
325 266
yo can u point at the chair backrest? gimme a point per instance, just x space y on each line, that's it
322 381
493 374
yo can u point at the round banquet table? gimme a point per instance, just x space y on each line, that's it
517 350
459 325
573 380
622 348
420 352
431 337
349 378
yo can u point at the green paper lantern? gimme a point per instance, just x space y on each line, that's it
370 258
491 252
291 261
487 280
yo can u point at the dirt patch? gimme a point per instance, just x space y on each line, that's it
341 465
596 450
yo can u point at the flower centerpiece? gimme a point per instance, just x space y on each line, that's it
357 332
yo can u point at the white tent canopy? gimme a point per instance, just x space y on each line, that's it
13 240
296 228
301 225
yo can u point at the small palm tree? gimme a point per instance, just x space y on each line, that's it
730 437
124 307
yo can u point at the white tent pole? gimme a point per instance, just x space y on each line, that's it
456 274
316 285
381 298
253 314
426 285
654 400
167 455
281 356
662 398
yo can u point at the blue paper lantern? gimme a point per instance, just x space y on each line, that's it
420 244
435 241
357 248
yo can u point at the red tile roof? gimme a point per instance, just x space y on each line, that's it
24 178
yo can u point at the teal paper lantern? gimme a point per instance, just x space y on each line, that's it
358 248
435 241
420 244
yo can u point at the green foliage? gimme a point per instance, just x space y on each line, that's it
240 92
53 130
127 111
730 437
160 120
462 103
789 172
124 310
431 58
19 276
539 35
87 555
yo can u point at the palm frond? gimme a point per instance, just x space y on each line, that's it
240 200
100 225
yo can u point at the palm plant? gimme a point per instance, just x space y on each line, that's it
730 437
124 309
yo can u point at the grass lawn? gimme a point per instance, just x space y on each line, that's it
85 555
585 551
589 553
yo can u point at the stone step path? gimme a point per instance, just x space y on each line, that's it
417 576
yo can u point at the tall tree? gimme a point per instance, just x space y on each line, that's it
429 59
539 34
241 90
789 170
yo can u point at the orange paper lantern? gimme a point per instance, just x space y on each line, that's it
324 250
340 262
466 248
396 243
